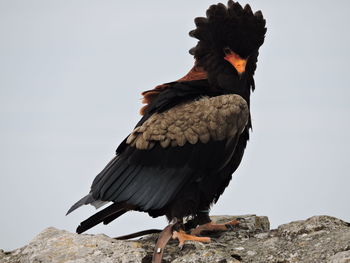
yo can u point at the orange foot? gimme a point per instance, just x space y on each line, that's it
215 227
182 237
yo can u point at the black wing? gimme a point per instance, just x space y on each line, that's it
171 149
160 156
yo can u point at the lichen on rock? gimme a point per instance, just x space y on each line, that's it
317 239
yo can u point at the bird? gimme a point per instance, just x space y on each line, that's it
193 132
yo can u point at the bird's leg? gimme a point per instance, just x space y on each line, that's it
215 227
182 236
174 230
204 223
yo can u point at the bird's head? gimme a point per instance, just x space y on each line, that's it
229 39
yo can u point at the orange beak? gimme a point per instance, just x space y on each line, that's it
236 61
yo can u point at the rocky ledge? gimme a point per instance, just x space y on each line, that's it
317 239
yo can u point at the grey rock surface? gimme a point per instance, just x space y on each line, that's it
317 239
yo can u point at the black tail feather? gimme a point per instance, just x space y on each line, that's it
112 211
84 201
110 218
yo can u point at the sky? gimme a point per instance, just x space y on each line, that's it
71 74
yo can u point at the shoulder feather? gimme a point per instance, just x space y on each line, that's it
209 118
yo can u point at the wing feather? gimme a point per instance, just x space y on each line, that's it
171 149
213 118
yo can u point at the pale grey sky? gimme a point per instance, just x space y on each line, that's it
71 73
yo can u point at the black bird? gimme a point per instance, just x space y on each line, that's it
182 153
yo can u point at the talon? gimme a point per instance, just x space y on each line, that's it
182 237
232 224
229 227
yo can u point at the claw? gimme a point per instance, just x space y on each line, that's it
182 237
230 227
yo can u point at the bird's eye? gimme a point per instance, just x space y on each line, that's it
227 50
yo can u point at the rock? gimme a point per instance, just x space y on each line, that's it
53 245
317 239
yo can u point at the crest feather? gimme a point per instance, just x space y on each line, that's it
229 26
